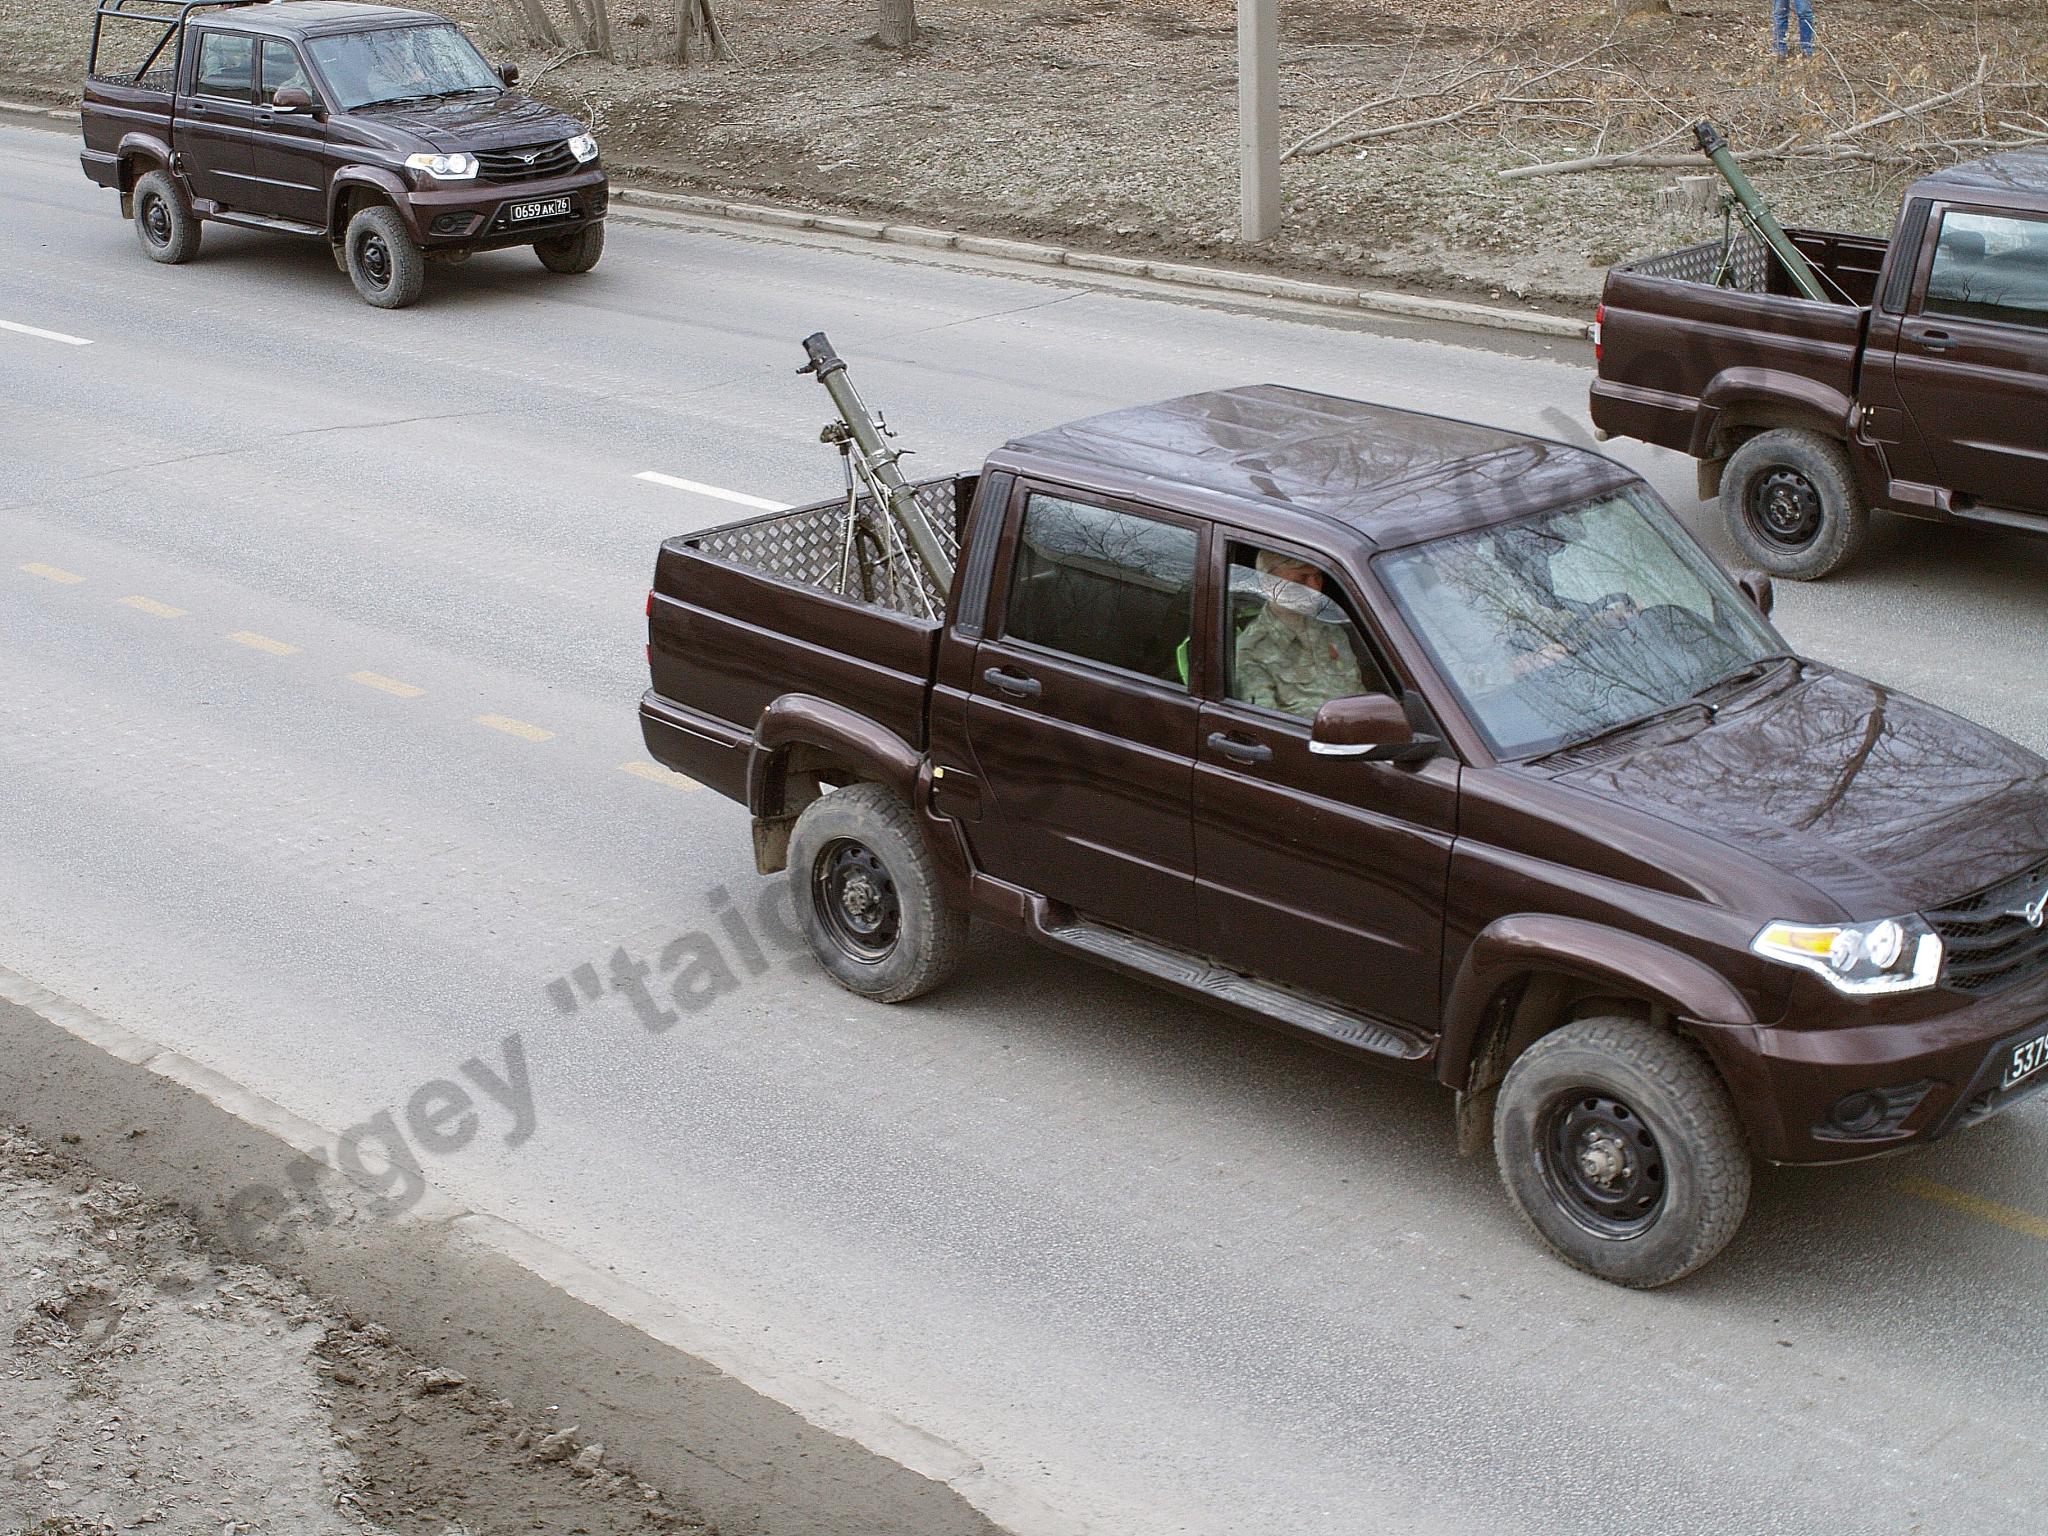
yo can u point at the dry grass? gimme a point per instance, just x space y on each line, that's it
1111 123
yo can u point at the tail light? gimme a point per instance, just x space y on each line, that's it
1599 324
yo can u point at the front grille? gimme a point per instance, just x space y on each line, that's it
1986 938
509 165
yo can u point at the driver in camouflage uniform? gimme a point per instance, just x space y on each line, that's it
1287 658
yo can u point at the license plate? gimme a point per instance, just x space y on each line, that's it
2028 1057
546 208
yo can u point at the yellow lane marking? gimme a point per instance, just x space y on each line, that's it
658 774
513 727
387 684
2011 1217
52 573
257 642
150 605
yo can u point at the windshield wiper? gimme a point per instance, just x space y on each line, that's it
1748 673
1625 727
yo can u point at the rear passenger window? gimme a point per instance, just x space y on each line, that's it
226 65
1107 586
1990 267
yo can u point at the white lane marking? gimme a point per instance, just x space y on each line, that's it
741 497
33 330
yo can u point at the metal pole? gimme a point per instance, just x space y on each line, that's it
1258 119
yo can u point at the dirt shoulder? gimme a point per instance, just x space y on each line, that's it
1111 126
155 1385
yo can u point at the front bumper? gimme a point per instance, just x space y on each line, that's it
1943 1052
476 216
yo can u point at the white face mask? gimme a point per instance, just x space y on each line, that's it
1293 597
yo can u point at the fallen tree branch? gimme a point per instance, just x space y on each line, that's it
1918 107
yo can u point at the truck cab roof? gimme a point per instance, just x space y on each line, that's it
2013 175
311 18
1392 476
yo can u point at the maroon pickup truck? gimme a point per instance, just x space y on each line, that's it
379 130
1924 393
1427 742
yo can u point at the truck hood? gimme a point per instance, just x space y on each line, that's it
470 123
1881 803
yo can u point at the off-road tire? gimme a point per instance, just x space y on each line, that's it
384 264
1801 474
165 226
572 253
1674 1095
928 938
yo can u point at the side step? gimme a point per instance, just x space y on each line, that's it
260 221
1199 977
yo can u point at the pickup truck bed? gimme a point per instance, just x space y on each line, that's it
803 631
1681 332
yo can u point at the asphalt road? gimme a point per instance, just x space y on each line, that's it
320 637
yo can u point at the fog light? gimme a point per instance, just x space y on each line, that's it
452 223
1855 1114
1870 1113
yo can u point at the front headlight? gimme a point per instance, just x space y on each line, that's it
444 167
1893 954
584 147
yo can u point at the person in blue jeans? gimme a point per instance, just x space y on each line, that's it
1780 18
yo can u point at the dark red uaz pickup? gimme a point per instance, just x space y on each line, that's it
1925 392
1429 742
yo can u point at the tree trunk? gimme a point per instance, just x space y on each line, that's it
534 23
697 23
898 29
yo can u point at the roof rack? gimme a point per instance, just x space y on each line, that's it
170 15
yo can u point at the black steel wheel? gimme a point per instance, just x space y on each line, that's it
164 225
387 269
1784 508
1790 500
1620 1147
869 896
857 899
375 257
1603 1164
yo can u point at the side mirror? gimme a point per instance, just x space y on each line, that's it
1373 726
292 98
509 73
1756 586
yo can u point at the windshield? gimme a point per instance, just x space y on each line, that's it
1570 623
399 64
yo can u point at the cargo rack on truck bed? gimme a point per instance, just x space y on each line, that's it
169 16
807 545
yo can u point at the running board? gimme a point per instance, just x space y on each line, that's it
1202 978
262 221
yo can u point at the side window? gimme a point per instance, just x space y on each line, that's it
226 65
1293 646
281 68
1109 586
1992 267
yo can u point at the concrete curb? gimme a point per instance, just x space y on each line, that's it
1179 274
744 1442
1185 275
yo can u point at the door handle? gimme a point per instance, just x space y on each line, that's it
196 109
1936 341
1015 684
1238 750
